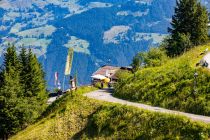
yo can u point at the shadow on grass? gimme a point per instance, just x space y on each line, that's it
58 104
91 130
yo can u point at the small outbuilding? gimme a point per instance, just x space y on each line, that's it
107 73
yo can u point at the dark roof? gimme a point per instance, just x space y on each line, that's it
129 68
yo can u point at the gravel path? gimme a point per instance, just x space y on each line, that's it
105 95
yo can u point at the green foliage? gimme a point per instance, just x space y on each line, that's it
170 85
189 24
200 32
36 86
135 64
154 57
10 95
122 78
179 44
184 16
11 59
121 74
76 117
23 68
97 85
17 109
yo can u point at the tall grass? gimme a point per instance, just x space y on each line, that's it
171 85
77 117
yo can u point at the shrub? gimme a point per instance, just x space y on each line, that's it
178 45
154 57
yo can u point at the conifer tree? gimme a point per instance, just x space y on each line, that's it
189 21
35 83
22 91
200 31
10 95
32 80
23 68
11 59
184 17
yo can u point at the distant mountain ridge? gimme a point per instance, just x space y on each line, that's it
100 31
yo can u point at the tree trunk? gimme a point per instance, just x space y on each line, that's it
4 137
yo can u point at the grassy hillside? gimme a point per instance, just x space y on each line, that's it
77 117
63 119
170 85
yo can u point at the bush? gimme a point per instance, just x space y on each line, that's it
178 45
135 64
154 57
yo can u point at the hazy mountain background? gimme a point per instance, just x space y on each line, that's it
100 31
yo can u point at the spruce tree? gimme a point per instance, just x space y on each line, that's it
23 68
11 59
10 95
200 31
183 18
8 104
35 83
189 21
22 91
